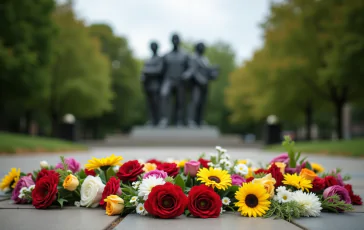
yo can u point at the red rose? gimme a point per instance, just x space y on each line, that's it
330 181
166 201
112 187
170 168
250 179
318 184
154 161
90 172
275 171
355 199
130 171
203 202
45 172
45 191
259 171
204 163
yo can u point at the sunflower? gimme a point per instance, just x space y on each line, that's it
297 181
215 178
10 179
252 200
112 160
317 168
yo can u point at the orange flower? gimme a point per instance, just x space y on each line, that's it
308 174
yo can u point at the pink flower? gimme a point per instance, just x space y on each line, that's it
73 165
338 190
156 173
192 168
25 181
237 179
281 158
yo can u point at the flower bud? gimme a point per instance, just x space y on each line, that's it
44 164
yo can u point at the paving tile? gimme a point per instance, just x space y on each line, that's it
75 219
9 204
226 221
332 221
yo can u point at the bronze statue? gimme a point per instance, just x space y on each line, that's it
198 75
151 79
175 64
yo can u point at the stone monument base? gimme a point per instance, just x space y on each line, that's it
171 133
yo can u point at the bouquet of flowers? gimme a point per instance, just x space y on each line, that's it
288 187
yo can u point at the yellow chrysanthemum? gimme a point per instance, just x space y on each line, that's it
149 167
181 163
215 178
252 200
317 168
297 181
242 162
112 160
10 179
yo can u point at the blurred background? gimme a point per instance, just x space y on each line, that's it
71 69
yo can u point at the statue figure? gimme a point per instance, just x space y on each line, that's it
175 63
198 75
151 79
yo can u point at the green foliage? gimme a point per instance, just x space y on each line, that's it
79 70
294 157
286 211
178 180
335 204
25 51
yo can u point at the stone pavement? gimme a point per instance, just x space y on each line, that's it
26 217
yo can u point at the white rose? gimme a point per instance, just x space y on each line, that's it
91 191
44 164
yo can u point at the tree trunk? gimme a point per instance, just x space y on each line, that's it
308 116
339 106
55 123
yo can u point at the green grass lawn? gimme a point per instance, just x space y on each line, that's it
347 147
16 143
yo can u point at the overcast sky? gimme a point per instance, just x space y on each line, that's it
234 21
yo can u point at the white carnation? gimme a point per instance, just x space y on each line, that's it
147 184
91 191
309 201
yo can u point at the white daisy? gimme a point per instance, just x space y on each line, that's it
210 164
283 196
147 184
77 204
141 210
21 195
134 199
222 210
241 169
23 190
215 155
281 189
218 148
309 201
135 184
226 200
31 188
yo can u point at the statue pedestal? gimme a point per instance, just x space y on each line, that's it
173 133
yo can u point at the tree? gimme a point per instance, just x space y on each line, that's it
26 34
81 81
127 103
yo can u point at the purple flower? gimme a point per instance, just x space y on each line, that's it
340 191
192 168
25 181
73 165
156 173
237 179
281 158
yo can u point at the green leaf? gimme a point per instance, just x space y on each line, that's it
61 201
180 182
110 173
189 181
187 212
102 177
308 165
82 174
